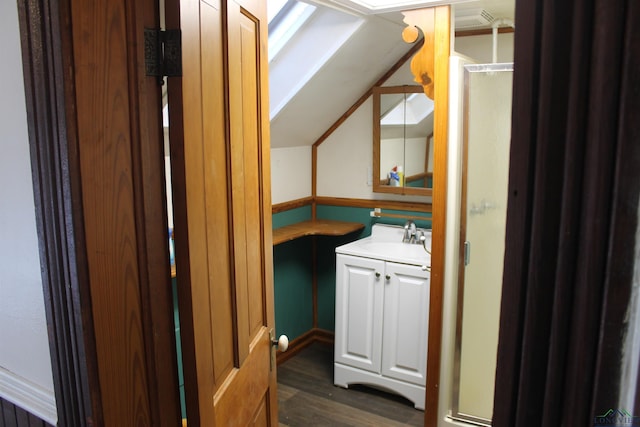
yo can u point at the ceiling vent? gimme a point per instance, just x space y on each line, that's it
472 18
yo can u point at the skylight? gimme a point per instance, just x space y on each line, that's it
416 109
274 7
285 18
383 6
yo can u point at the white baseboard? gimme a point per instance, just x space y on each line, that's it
29 396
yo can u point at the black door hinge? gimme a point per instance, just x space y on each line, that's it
163 53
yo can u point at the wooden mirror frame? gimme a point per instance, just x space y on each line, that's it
378 185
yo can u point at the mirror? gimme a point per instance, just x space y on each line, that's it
402 140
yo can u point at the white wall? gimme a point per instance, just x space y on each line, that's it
480 48
345 160
25 365
290 173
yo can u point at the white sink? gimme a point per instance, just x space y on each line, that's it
385 243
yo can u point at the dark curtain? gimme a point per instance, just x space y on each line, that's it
572 213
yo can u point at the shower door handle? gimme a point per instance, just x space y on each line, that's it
467 252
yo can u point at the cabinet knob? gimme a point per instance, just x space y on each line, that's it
387 277
377 274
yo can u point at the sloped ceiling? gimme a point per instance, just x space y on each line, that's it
333 59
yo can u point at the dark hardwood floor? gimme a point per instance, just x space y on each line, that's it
307 396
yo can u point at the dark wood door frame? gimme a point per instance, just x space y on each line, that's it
54 161
48 46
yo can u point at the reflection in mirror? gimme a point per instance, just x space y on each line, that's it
403 140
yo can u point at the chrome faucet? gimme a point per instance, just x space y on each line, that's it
410 231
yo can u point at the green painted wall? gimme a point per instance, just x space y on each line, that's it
292 263
291 216
292 287
292 278
176 321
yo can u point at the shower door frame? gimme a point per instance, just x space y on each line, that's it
455 391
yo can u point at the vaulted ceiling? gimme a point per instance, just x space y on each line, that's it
323 64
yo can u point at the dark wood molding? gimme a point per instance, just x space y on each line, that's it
150 207
13 415
49 59
46 46
354 203
371 204
121 169
484 32
291 204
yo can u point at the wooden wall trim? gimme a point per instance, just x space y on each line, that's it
372 203
483 32
353 203
291 204
46 47
314 178
442 38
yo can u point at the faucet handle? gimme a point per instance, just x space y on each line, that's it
410 232
405 236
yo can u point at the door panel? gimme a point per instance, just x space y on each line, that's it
222 212
245 171
214 156
249 48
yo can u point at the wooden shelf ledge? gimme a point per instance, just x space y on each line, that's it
314 227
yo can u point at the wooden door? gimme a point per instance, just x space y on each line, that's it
222 211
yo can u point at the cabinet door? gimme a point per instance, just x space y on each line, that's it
406 323
359 292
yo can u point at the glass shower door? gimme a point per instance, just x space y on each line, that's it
487 134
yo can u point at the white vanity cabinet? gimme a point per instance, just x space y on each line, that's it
382 315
